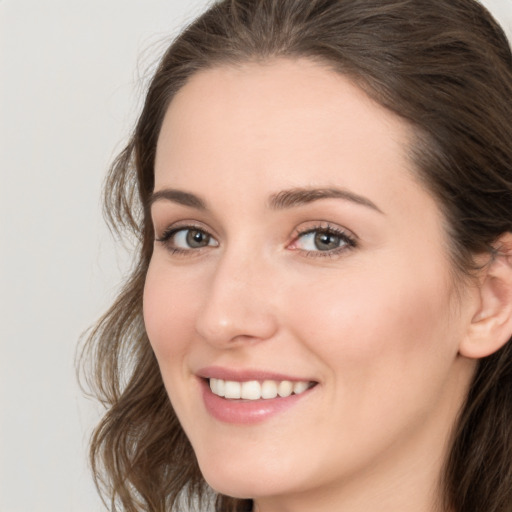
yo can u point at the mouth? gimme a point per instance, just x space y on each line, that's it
257 390
251 396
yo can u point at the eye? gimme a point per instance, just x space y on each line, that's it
192 239
185 239
329 240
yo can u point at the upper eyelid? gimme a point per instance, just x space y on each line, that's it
184 224
339 231
316 226
327 227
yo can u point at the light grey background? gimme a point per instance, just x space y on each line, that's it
70 87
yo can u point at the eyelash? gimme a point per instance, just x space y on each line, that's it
169 233
349 240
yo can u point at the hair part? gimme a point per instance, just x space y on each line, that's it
445 67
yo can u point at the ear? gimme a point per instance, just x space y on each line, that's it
491 324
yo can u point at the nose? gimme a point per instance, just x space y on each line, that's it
238 306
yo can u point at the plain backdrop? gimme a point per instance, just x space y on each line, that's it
71 81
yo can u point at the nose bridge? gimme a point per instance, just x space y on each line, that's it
238 304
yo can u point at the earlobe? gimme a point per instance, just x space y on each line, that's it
491 324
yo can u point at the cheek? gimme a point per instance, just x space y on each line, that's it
169 311
378 327
381 342
363 313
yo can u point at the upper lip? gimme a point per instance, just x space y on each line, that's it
243 375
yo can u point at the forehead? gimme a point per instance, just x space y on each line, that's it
281 124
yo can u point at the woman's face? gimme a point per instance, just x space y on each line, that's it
297 253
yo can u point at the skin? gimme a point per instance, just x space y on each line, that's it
378 326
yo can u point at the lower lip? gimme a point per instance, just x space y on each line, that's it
246 412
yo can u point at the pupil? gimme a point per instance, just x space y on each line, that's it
197 238
326 241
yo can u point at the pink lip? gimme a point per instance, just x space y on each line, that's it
244 412
218 372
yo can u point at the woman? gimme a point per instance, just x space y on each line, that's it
320 312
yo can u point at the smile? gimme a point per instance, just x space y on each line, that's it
256 390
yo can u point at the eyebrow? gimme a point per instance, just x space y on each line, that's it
179 197
300 196
281 200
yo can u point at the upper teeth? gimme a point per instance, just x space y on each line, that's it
255 390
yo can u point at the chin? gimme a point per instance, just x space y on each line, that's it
229 485
231 481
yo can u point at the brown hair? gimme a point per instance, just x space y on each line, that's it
443 65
